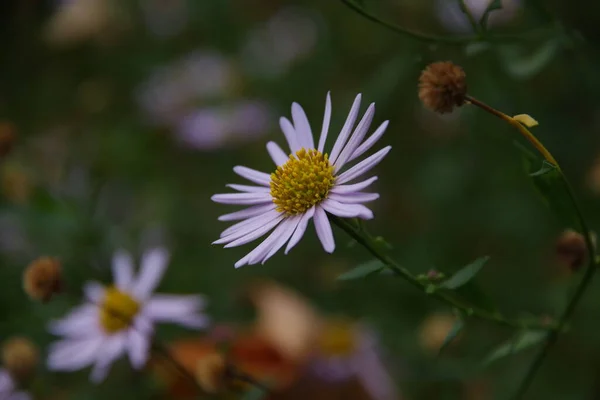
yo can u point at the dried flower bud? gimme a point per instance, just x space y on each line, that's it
43 278
210 372
7 138
434 331
442 86
20 357
571 250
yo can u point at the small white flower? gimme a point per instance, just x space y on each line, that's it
307 184
350 351
121 318
8 389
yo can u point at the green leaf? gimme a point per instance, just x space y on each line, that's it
457 328
520 342
255 393
493 6
549 183
363 270
473 294
465 274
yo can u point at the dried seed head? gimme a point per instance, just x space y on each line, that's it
43 278
7 138
210 372
434 330
20 357
571 250
442 86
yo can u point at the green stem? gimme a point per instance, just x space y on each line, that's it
372 247
591 257
449 40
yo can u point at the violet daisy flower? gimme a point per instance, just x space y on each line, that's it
121 318
8 388
307 184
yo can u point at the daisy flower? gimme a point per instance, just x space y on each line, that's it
307 184
120 318
8 389
347 351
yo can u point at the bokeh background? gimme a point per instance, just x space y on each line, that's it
129 115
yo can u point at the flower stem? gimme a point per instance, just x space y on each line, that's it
522 129
374 248
590 271
449 40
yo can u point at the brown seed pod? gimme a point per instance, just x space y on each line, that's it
442 87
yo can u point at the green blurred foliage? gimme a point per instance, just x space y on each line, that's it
453 188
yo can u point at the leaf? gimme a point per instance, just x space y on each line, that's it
549 183
520 342
363 270
465 274
473 293
255 393
493 6
457 328
526 120
525 63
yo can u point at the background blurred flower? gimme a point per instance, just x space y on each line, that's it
20 357
8 390
286 38
452 18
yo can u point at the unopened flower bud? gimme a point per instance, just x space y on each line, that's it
571 250
43 278
20 357
210 372
442 87
7 138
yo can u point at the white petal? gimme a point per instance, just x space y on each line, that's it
370 141
94 292
249 188
323 228
302 126
81 322
290 134
353 198
355 187
346 129
242 198
138 347
269 243
74 354
251 236
6 382
356 138
247 212
161 307
112 348
300 229
363 166
154 264
250 224
253 175
278 155
346 210
290 226
122 266
326 120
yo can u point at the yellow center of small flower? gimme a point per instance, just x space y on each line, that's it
303 181
117 310
338 338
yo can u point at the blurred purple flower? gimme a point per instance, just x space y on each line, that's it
362 362
289 36
453 19
211 128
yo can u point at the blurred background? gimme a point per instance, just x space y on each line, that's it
128 115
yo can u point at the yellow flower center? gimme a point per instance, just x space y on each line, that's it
303 181
117 310
338 338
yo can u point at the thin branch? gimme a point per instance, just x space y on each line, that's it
370 245
448 40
